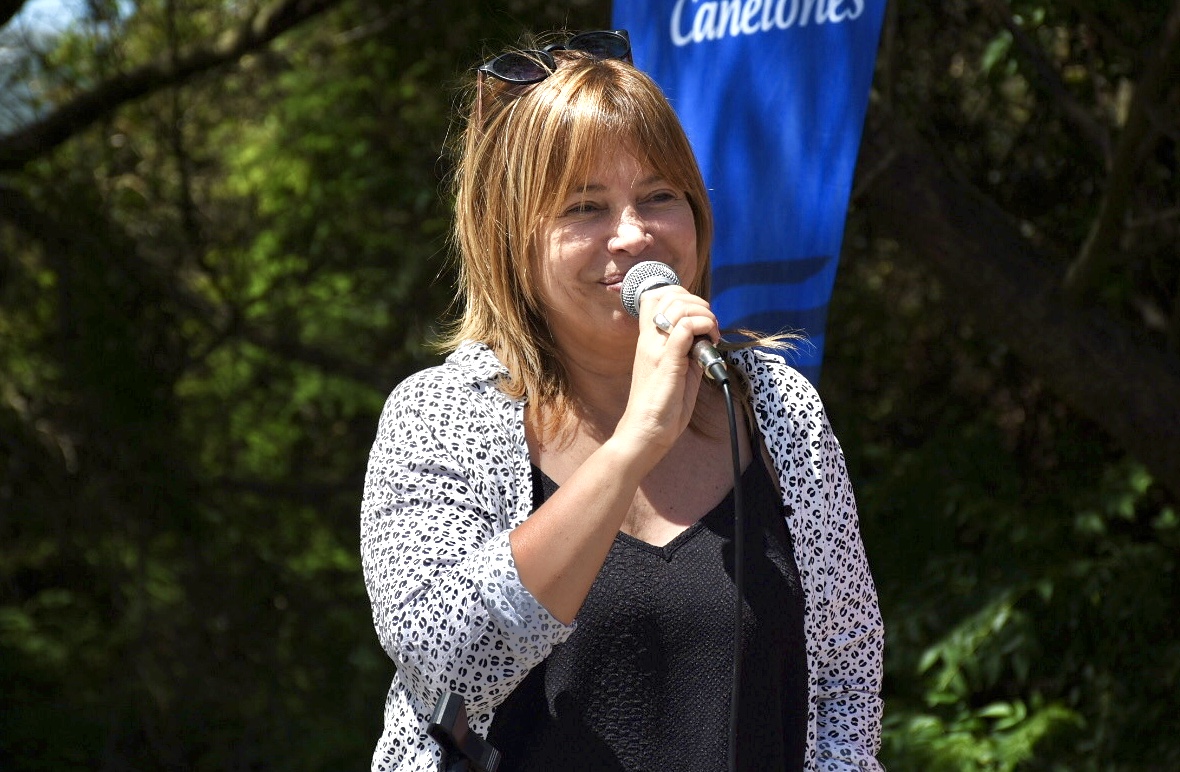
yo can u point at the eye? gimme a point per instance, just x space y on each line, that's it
663 195
580 207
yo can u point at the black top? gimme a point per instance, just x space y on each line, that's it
643 684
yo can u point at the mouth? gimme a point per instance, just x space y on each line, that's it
613 282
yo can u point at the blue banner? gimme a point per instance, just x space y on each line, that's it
773 96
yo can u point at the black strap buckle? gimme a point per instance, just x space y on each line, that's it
462 749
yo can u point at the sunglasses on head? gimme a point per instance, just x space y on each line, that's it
525 67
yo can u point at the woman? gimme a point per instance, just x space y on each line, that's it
546 526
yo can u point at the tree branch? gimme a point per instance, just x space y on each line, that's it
84 243
1046 74
8 9
1106 372
1098 253
42 136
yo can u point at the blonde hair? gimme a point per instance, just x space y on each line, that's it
522 150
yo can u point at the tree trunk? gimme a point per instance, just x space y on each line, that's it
1106 371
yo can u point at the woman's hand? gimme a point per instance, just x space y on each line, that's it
665 379
561 547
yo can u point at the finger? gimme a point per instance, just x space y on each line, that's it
700 317
673 302
662 322
696 326
660 296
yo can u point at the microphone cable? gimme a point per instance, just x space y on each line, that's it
739 573
651 274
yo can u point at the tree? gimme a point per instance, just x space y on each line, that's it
1024 525
221 230
1028 173
222 242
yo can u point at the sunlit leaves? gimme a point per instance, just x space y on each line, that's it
1000 737
1027 569
996 51
242 267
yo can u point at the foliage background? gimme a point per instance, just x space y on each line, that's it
208 287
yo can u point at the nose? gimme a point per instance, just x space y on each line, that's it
631 233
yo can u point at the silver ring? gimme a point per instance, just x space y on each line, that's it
662 322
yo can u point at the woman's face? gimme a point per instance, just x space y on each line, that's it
625 214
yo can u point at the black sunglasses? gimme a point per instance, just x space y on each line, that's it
525 67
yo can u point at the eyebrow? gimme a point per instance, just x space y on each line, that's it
598 187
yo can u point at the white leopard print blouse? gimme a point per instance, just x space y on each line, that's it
448 478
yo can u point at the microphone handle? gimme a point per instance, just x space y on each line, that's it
706 355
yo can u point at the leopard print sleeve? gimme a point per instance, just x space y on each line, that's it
845 634
438 504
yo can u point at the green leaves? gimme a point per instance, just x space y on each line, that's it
996 51
206 296
999 737
1026 567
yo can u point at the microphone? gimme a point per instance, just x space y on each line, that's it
651 274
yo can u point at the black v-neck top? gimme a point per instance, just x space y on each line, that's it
643 684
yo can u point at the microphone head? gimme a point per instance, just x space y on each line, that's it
644 276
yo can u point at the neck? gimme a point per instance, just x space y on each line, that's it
599 385
599 393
